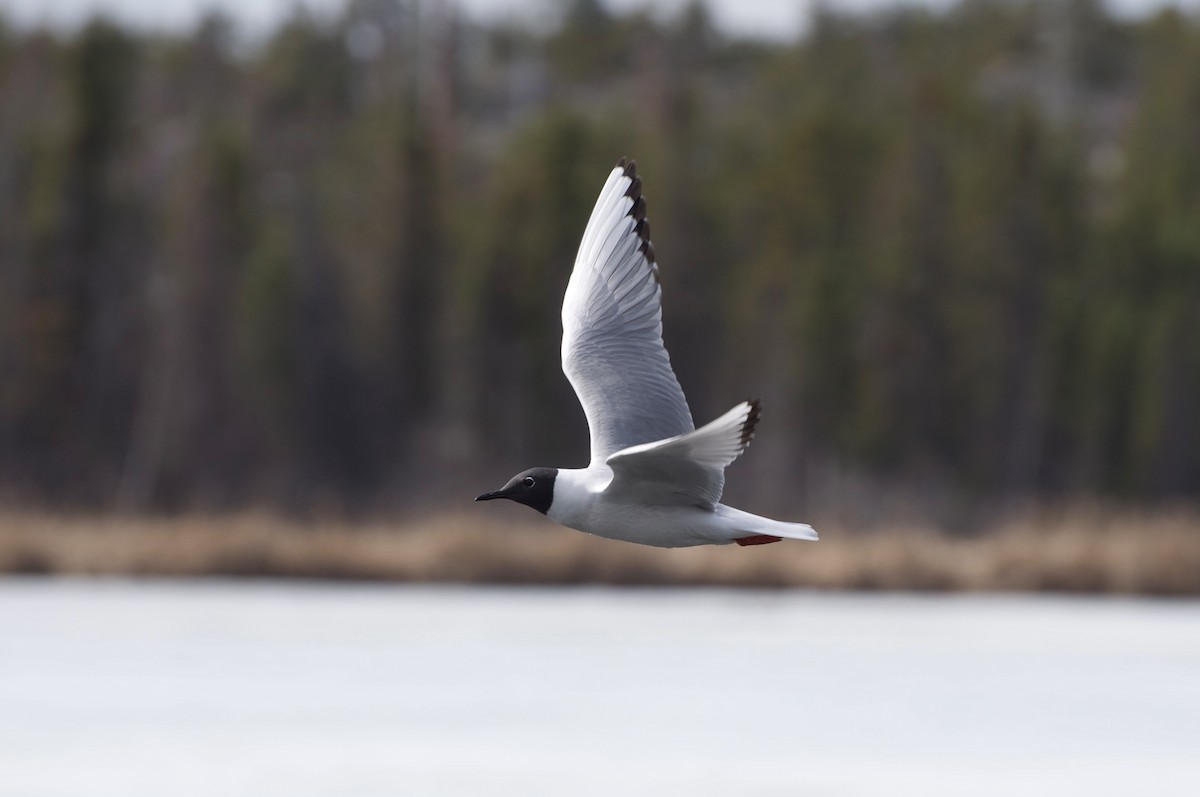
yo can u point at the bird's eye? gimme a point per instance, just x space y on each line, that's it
528 481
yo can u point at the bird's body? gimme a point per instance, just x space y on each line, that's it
654 478
580 503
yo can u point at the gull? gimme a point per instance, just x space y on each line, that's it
654 478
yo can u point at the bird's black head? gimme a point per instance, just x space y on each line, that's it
533 487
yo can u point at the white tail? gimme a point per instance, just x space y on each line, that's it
754 524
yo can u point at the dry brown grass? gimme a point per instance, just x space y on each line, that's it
1077 551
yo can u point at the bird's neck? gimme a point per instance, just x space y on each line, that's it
575 491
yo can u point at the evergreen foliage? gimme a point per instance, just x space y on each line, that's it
956 252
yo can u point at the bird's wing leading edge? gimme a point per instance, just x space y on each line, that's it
688 470
612 348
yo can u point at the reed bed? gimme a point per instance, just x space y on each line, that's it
1074 551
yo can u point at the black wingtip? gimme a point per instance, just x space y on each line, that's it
752 419
638 211
642 228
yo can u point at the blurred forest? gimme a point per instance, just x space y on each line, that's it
956 252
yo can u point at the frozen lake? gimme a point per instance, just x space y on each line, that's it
150 689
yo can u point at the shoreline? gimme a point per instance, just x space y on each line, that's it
1074 552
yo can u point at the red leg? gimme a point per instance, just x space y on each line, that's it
757 539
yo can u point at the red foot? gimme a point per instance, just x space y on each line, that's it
757 539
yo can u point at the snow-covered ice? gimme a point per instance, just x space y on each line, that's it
132 689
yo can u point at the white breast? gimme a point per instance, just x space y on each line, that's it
580 503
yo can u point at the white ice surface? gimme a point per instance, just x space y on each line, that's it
120 689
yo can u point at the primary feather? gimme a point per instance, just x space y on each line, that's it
612 348
688 469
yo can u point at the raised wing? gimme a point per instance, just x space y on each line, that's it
612 349
688 470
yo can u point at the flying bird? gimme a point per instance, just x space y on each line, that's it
654 478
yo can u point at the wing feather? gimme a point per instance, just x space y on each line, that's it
612 349
687 470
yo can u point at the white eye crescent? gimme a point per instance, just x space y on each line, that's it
528 481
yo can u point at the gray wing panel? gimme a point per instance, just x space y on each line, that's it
662 479
612 348
688 470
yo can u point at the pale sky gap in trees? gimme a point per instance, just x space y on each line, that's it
772 19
